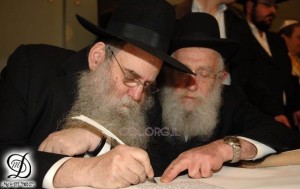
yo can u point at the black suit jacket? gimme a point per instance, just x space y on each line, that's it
275 74
243 67
37 88
237 117
263 78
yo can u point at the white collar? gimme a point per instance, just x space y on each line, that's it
196 7
262 39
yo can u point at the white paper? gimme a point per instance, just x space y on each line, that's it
283 177
181 182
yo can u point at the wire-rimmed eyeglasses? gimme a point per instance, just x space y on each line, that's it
130 81
201 73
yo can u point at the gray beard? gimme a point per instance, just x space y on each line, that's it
200 122
97 100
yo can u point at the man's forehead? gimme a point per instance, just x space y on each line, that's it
196 55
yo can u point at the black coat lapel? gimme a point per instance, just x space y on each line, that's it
65 87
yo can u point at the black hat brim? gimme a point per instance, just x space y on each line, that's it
244 1
101 32
227 48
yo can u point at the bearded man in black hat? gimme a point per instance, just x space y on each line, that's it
272 67
211 123
112 82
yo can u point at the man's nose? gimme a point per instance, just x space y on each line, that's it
192 84
136 93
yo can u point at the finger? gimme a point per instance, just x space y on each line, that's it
137 168
51 148
62 150
118 183
195 174
131 177
194 171
48 148
206 171
172 171
124 170
42 146
142 157
172 164
287 123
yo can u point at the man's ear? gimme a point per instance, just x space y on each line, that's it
223 76
96 55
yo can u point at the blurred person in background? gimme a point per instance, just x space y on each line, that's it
273 66
290 32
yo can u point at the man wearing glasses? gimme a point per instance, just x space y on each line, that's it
272 67
214 123
43 87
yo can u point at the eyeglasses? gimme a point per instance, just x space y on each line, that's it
204 73
268 3
130 81
201 73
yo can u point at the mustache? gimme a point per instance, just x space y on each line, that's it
128 102
271 15
186 94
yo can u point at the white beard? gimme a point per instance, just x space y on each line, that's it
96 99
200 122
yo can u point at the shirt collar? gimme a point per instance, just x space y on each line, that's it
255 31
197 7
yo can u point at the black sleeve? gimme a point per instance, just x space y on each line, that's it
24 103
34 166
13 90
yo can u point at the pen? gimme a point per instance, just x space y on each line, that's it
114 139
152 180
114 143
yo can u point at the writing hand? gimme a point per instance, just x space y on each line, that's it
120 167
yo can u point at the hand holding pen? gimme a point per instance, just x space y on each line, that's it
109 138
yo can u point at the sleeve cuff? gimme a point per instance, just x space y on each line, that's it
48 179
262 149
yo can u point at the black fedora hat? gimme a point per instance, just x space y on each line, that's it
255 1
147 24
202 30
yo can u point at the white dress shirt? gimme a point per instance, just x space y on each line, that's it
219 16
262 39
